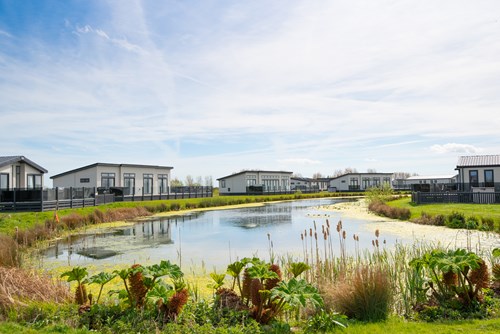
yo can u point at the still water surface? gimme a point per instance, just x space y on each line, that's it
210 239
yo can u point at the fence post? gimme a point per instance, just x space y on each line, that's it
41 199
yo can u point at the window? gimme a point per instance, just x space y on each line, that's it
223 183
4 181
34 181
18 176
163 183
129 183
107 180
85 180
366 183
251 182
473 178
148 183
376 181
387 180
488 178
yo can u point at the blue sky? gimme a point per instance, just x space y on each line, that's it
215 87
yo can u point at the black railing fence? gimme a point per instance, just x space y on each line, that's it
456 197
62 198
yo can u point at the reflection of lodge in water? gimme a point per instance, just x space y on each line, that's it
101 245
269 215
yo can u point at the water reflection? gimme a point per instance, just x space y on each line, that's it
215 238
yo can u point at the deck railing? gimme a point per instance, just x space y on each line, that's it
455 197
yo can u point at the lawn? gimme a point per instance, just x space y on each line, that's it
478 210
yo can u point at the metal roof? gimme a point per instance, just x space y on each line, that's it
254 171
9 160
478 160
108 165
431 177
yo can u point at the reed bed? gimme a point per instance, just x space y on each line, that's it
376 274
18 287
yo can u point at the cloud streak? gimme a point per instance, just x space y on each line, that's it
212 88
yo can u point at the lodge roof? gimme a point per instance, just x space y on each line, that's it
9 160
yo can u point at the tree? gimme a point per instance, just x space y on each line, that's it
371 170
347 170
189 181
317 175
208 181
176 183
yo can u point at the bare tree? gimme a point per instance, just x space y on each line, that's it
347 170
317 175
371 170
189 181
208 181
175 182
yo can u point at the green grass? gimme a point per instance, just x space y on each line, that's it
393 325
477 210
24 220
396 325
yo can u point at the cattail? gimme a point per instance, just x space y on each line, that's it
315 235
338 227
327 223
344 234
325 236
301 237
376 242
311 232
314 222
373 243
268 236
377 233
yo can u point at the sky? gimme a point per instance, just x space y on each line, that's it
214 87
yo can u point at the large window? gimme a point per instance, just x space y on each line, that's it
366 183
107 180
4 181
163 183
18 176
473 178
129 183
376 182
488 178
34 181
223 183
148 183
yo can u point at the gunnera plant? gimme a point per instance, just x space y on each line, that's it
366 295
455 220
137 289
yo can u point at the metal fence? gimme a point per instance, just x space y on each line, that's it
455 197
15 200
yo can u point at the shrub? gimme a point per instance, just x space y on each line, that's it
455 220
426 219
383 209
487 224
9 256
365 296
19 286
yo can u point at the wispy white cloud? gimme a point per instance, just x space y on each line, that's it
328 82
299 161
5 33
455 148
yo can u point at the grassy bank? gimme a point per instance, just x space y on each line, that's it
24 220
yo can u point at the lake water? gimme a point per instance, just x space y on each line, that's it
210 239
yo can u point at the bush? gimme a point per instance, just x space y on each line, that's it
426 219
383 209
365 296
487 224
9 256
455 220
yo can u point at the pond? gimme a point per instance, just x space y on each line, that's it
209 239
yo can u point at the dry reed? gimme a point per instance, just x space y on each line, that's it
18 287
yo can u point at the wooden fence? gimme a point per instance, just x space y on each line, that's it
455 197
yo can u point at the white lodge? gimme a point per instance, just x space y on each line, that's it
255 182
